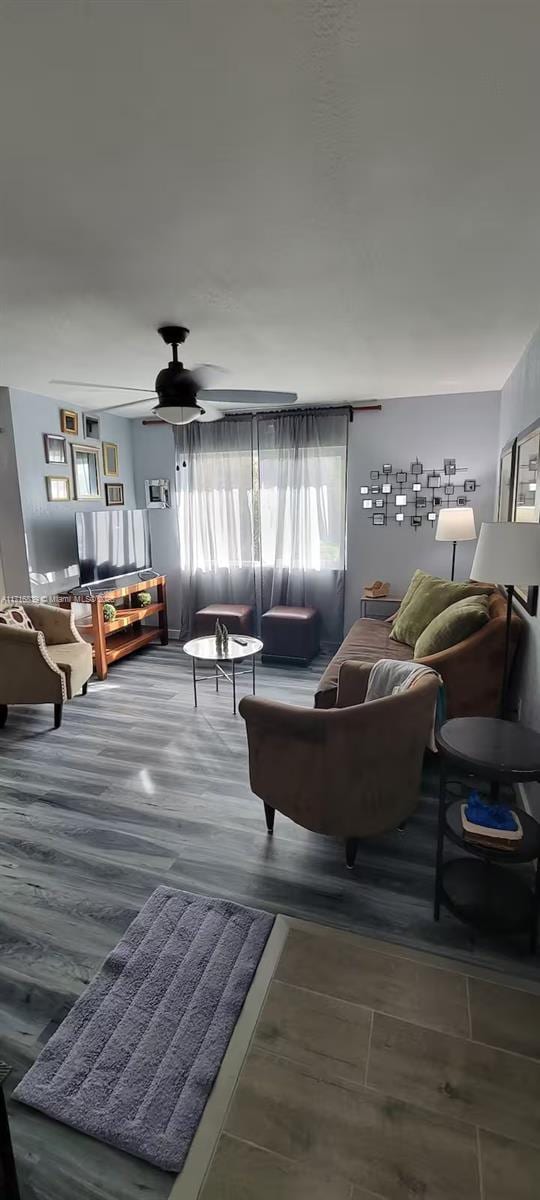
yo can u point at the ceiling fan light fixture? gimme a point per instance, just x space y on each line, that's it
177 414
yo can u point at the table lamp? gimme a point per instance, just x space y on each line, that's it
508 551
455 525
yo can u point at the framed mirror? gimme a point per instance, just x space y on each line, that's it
86 472
505 493
526 497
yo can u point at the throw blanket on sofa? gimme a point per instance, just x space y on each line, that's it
389 676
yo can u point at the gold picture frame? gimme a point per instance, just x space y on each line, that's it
110 458
58 488
69 421
86 477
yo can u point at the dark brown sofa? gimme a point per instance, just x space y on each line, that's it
471 670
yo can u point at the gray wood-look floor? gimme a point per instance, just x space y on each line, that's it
136 788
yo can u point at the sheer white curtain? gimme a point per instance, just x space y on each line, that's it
302 459
215 512
262 512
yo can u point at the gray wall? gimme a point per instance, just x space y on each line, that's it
14 579
520 406
154 458
431 428
50 526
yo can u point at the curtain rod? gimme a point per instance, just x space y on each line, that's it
274 412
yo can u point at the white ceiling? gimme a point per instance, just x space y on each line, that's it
338 197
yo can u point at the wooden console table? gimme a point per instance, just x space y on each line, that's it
112 640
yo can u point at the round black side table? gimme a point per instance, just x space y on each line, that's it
479 889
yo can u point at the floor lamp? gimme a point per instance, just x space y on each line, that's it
508 551
455 525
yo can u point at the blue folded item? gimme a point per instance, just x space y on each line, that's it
489 816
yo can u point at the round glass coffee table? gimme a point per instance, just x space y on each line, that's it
239 648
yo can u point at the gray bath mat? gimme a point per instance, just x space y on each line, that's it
134 1062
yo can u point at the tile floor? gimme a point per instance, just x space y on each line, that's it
377 1074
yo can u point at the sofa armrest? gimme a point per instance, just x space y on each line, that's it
287 720
352 683
57 624
27 674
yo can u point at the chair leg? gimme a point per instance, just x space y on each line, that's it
351 846
85 688
58 715
8 1172
269 814
3 715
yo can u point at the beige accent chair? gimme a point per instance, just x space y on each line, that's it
351 771
45 665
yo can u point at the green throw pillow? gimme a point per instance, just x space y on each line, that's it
431 597
453 625
415 582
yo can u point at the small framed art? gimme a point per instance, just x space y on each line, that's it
379 518
469 485
110 458
400 518
375 487
367 503
386 489
400 501
416 521
55 448
417 487
364 490
401 476
69 421
114 494
461 500
434 480
449 466
420 501
431 516
387 468
449 489
417 467
91 427
58 487
380 503
373 474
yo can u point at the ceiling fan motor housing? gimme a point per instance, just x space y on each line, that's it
176 385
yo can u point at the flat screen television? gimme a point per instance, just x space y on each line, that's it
112 543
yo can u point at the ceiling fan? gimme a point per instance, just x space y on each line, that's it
181 395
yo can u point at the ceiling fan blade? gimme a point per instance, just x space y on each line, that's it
249 396
95 387
208 415
129 403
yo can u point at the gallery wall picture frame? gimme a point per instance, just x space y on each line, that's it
69 421
461 500
449 466
379 518
373 474
449 489
434 480
114 494
86 478
386 489
380 504
364 490
110 458
417 487
469 485
387 468
420 501
400 500
55 448
58 488
401 476
375 487
526 498
158 493
91 427
417 468
367 503
431 516
400 517
416 521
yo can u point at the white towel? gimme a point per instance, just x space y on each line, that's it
389 676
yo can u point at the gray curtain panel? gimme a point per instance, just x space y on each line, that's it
262 513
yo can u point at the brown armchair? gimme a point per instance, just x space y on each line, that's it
45 665
351 771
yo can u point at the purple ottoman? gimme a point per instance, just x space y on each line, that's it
290 634
237 617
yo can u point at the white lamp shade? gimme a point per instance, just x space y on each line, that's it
455 525
508 552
